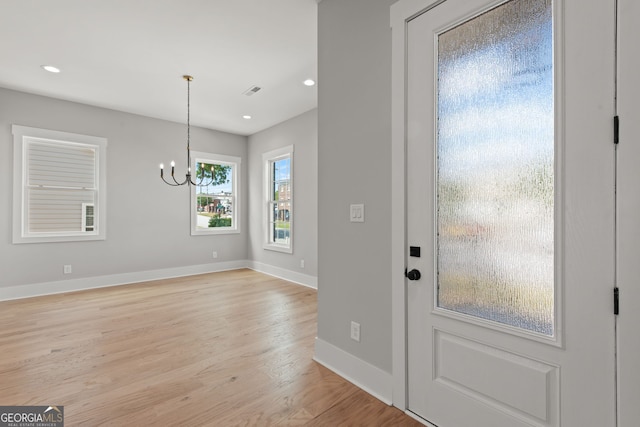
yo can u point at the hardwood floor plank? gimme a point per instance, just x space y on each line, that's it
222 349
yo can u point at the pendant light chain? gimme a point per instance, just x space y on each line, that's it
188 78
188 180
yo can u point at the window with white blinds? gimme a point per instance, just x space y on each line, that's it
59 186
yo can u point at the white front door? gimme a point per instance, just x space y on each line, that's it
510 200
628 195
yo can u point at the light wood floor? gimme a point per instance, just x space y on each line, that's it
221 349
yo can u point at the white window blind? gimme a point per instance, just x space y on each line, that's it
59 186
60 182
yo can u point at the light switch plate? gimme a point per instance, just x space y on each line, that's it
357 213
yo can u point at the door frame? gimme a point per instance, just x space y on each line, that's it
401 13
627 205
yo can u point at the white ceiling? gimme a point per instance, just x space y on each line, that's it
130 55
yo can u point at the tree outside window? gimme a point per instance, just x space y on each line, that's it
214 201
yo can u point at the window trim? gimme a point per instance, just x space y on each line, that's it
24 134
267 159
221 159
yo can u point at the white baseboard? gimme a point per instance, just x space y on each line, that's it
291 276
81 284
61 286
371 379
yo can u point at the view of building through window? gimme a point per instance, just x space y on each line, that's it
279 212
280 223
214 202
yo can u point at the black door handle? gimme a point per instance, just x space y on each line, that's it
412 275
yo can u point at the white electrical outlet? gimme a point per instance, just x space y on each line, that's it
67 269
301 263
215 254
355 331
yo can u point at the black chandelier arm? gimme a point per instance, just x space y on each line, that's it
174 183
200 184
179 183
170 183
187 181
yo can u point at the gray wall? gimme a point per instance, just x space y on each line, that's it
354 150
148 221
302 133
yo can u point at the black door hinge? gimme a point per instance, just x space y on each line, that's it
616 301
616 129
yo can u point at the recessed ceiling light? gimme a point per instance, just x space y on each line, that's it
309 82
246 117
51 68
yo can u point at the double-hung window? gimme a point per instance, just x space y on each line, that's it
278 214
59 192
215 201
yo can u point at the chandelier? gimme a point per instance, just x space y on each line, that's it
187 180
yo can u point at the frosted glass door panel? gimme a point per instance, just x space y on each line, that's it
495 166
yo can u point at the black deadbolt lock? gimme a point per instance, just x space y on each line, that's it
412 275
